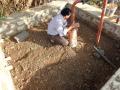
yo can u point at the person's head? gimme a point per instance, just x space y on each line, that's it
66 12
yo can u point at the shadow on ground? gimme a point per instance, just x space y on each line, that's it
73 73
77 71
39 37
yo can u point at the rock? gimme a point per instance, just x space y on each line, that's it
19 69
21 36
118 78
11 33
114 86
20 23
13 26
22 28
4 28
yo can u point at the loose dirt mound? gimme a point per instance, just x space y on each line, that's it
39 65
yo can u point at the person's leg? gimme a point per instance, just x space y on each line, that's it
59 40
51 39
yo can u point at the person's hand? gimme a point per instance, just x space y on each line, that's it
76 25
77 1
73 26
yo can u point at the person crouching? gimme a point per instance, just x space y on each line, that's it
58 29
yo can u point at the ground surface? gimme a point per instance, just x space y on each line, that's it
38 65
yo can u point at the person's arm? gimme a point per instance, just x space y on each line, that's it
63 30
60 28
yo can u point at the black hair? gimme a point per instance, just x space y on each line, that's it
65 11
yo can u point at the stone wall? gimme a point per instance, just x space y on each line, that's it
91 16
113 83
21 21
6 82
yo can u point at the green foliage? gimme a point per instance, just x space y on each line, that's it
1 15
95 2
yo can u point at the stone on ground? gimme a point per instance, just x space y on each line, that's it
21 36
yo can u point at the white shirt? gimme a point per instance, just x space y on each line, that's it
57 26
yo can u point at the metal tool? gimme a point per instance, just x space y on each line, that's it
104 57
98 37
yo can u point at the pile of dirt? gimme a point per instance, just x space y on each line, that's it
39 65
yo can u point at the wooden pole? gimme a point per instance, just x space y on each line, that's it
73 34
100 26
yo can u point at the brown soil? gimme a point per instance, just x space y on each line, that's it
39 65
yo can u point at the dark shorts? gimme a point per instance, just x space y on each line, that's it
56 39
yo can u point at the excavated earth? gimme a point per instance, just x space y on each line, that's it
39 65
